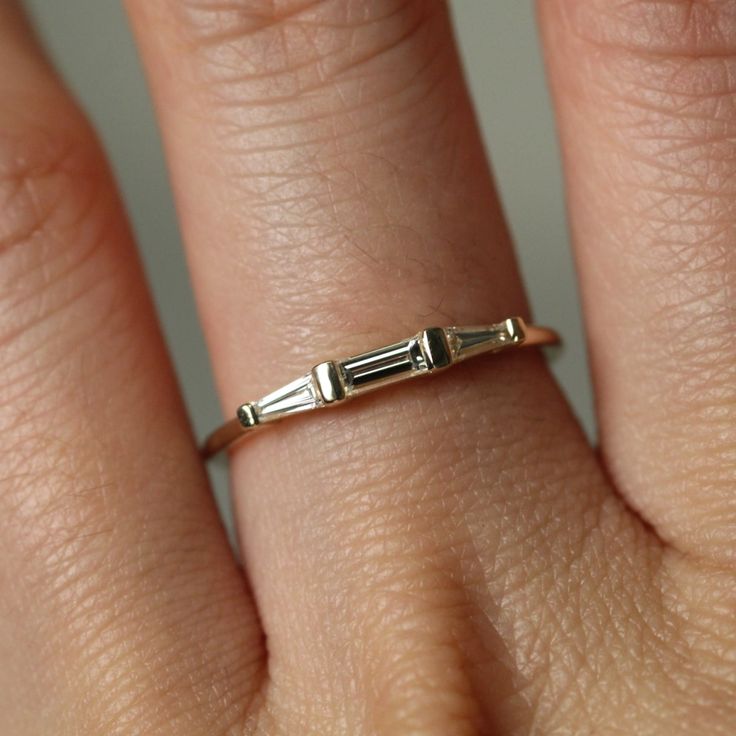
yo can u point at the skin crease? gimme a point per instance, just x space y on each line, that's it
446 557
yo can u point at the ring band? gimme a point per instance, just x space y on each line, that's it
332 382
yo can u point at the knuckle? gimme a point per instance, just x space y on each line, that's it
663 69
294 33
42 177
672 57
60 288
657 27
672 111
56 211
659 87
295 49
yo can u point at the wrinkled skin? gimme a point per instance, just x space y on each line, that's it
486 573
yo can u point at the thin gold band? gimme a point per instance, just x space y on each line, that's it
335 381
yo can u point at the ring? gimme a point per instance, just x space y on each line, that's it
335 381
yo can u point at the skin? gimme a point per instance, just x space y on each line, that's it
486 573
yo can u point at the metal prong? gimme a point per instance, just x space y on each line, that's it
516 329
247 415
436 348
329 382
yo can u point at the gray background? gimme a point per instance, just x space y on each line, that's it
91 42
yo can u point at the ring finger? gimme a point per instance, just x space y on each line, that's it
334 196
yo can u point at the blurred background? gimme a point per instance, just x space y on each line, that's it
92 46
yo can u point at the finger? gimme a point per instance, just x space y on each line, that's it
645 97
119 599
333 197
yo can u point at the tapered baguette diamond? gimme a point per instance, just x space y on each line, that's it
297 396
468 341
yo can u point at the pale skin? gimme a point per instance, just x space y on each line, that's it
486 573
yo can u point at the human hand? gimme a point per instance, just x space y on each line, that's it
486 572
